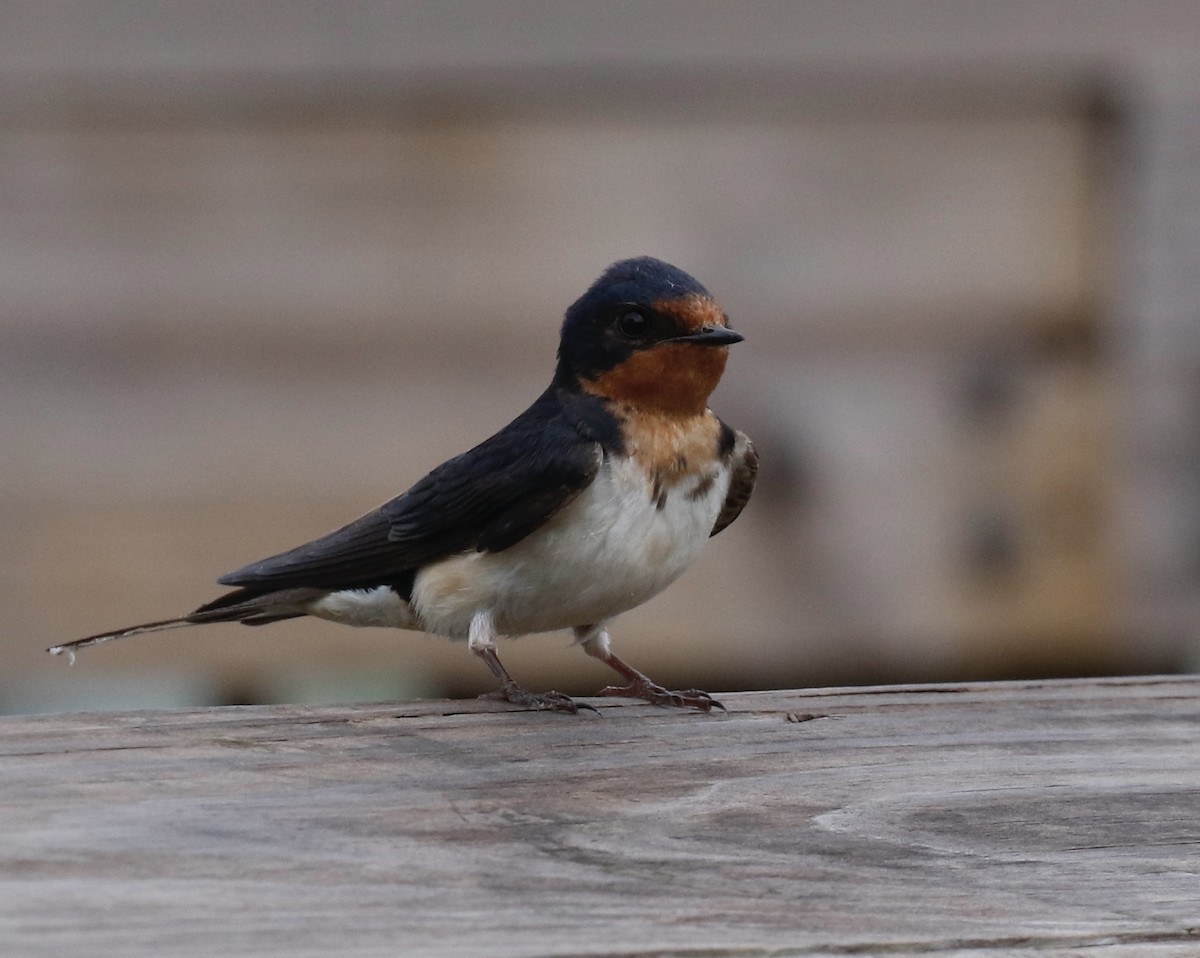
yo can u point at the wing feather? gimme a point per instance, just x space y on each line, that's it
486 499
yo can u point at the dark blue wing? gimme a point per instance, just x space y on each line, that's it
487 499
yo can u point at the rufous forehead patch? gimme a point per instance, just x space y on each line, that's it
693 312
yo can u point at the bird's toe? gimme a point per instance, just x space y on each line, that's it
550 701
657 695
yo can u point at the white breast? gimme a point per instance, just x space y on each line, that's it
611 549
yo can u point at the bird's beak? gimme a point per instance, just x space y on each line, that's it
711 336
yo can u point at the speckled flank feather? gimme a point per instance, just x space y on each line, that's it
671 449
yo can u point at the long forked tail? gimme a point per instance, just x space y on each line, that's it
243 605
70 648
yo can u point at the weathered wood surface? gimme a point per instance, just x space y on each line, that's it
1058 818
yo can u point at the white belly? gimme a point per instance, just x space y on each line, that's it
609 550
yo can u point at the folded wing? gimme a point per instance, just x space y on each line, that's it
487 499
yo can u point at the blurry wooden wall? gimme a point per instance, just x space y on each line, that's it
263 266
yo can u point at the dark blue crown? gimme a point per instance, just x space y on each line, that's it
641 280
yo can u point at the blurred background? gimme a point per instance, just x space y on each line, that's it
263 265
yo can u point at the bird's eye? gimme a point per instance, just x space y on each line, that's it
633 324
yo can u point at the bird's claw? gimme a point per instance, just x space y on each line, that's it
657 695
550 701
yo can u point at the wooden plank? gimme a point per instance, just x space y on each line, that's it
1055 818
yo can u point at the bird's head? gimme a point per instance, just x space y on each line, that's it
645 335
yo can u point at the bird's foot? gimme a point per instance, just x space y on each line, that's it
551 701
657 695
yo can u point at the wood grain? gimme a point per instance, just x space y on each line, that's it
1058 818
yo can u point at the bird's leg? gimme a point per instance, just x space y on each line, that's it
594 639
481 639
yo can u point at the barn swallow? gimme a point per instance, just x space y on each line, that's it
589 503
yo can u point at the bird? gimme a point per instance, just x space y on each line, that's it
588 504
